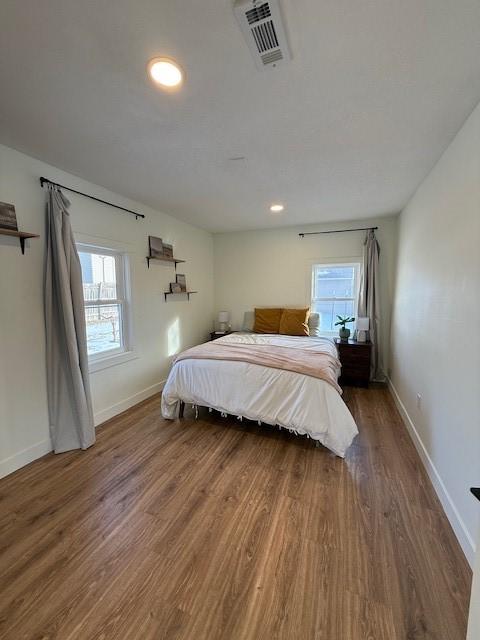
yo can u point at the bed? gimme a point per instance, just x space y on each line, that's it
286 397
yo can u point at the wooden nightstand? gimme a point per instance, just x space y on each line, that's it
355 360
217 334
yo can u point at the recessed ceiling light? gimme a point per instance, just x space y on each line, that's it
165 72
276 208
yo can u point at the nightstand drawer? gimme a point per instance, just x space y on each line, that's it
355 372
350 355
352 347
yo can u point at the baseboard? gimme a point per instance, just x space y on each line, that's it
22 458
110 412
458 525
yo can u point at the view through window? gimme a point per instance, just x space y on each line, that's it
334 293
104 298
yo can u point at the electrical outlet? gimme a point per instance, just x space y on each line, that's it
419 401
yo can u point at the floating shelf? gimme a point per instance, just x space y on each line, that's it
21 235
164 259
178 293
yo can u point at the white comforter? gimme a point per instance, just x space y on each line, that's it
297 402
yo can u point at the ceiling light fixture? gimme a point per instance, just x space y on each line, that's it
165 72
276 208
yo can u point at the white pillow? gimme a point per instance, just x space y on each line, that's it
313 322
248 321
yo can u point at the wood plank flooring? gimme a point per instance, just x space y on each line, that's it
212 529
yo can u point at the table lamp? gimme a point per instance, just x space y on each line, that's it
223 320
363 325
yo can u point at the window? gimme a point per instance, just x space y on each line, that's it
105 294
334 292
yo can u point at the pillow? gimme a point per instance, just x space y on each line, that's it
267 320
248 321
314 324
294 322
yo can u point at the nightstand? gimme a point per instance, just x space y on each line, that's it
355 360
219 334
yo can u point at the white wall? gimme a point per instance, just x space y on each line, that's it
274 267
435 328
23 408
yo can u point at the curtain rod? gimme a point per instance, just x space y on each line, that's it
110 204
315 233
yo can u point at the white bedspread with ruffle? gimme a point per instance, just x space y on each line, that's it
300 403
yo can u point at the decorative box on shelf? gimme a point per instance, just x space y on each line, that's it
161 251
355 360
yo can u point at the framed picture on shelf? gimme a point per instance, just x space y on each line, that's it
182 281
155 247
175 287
167 250
8 217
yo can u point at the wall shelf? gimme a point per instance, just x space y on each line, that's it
178 293
164 259
21 235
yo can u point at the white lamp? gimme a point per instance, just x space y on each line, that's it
363 325
223 320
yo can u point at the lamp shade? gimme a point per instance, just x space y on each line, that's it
363 324
223 316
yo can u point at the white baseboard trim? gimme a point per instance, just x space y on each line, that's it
110 412
20 459
463 535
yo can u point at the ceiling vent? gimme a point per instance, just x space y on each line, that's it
261 24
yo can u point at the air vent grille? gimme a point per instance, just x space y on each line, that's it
262 26
265 36
272 56
258 13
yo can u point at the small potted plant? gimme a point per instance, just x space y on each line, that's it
344 333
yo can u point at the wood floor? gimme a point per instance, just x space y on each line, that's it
211 529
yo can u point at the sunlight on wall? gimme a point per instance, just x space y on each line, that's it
173 337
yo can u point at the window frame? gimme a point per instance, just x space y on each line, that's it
117 355
356 263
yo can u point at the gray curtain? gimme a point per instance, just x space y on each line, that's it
369 299
69 402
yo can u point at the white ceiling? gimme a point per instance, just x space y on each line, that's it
375 92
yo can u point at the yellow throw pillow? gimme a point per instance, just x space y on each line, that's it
294 322
267 320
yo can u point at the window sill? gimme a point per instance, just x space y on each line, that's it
111 361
